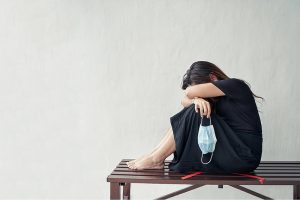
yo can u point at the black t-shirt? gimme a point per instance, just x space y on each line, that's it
237 107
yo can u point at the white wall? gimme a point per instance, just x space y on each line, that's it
87 83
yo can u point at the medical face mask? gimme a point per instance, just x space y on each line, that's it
206 139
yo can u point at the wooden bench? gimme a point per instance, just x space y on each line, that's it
273 172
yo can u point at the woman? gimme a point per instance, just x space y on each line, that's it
230 104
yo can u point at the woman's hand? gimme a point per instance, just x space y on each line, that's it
203 105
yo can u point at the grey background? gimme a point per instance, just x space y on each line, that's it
85 84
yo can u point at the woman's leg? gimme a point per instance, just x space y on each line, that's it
156 159
156 148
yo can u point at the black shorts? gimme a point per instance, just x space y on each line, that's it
234 151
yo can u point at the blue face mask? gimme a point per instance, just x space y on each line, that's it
206 139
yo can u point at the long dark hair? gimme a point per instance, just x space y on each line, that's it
199 73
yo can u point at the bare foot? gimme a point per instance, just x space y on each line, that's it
130 163
148 162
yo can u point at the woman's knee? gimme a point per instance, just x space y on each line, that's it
191 116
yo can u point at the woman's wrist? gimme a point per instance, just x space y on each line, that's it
193 100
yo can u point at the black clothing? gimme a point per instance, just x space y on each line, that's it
238 106
237 127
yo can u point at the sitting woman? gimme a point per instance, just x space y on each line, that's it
230 105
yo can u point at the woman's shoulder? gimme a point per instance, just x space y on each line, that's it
239 82
234 87
232 82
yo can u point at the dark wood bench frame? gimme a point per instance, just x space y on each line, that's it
274 172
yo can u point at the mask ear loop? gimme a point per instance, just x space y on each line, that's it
201 120
209 159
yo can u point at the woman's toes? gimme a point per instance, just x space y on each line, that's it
133 167
130 164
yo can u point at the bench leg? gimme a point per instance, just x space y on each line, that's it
115 190
296 192
250 191
126 191
173 194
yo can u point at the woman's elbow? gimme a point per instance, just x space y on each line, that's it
189 94
186 92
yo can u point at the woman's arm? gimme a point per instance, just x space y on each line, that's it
200 103
186 101
203 90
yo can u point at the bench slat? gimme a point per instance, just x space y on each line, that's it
262 162
277 171
238 180
264 175
259 167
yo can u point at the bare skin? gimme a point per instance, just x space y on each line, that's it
155 159
155 149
